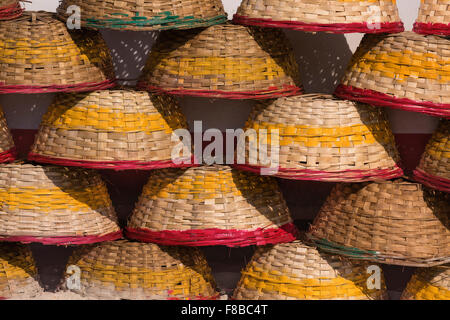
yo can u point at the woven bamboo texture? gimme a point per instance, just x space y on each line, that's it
10 9
216 205
38 55
112 129
296 271
336 16
132 270
222 61
434 17
394 222
434 167
404 71
54 205
146 14
7 149
322 138
429 284
18 273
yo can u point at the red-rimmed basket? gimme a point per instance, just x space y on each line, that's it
8 151
434 17
10 9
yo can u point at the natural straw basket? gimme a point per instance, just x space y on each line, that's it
223 61
336 16
434 17
434 168
429 284
394 222
7 149
216 205
296 271
132 270
38 55
10 9
320 138
145 14
404 71
54 205
110 129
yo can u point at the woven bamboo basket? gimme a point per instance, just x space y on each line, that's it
336 16
10 9
394 222
54 205
297 271
404 71
434 167
216 205
110 129
145 14
131 270
18 273
223 61
39 55
320 138
434 17
7 149
429 284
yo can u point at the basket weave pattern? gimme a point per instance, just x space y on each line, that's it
132 270
146 14
429 284
394 222
434 17
404 71
10 9
7 149
223 61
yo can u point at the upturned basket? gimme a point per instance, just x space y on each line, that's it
145 14
38 55
393 222
434 167
434 17
7 149
10 9
335 16
211 205
54 205
429 284
136 271
297 271
110 129
222 61
18 273
320 138
405 71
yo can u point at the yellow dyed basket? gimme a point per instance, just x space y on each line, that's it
429 284
7 149
38 55
18 273
405 71
54 205
222 61
143 271
297 271
434 17
318 137
110 129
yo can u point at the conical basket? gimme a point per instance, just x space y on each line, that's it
404 71
18 273
145 14
205 206
54 205
394 222
131 270
335 16
222 61
39 55
296 271
10 9
434 167
434 17
110 129
319 138
7 149
429 284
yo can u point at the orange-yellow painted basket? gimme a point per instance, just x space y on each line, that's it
429 284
